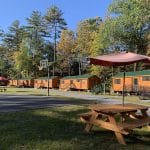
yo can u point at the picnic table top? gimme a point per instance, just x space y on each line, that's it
117 108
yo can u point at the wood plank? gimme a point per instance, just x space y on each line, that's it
116 108
119 136
89 121
135 123
109 126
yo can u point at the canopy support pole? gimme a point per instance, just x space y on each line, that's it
124 74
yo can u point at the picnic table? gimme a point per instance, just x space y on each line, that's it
3 89
117 118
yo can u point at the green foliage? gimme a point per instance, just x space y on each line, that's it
97 48
85 31
55 21
4 62
55 24
128 26
89 40
13 38
23 62
65 51
36 30
1 33
54 16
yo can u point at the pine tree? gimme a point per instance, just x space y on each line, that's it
55 23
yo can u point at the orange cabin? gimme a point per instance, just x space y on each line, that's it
24 82
13 82
82 82
43 82
134 81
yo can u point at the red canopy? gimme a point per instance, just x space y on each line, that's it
2 78
119 59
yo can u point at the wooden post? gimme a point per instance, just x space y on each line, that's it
48 79
123 92
119 136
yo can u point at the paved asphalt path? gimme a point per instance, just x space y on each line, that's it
17 103
22 102
10 103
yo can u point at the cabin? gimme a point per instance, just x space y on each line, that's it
13 82
82 82
42 82
138 81
24 82
3 81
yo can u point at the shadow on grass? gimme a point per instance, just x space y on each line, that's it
53 129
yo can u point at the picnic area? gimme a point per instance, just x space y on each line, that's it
75 75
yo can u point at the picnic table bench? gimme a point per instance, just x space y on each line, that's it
104 115
3 89
144 96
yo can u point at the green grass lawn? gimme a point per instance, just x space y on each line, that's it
25 91
61 129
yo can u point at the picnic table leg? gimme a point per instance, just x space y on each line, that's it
119 136
145 115
89 126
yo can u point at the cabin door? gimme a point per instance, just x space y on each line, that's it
135 84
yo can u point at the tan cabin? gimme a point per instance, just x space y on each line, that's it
24 82
43 82
13 82
137 81
81 82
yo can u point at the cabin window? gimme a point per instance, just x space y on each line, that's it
117 81
135 81
146 78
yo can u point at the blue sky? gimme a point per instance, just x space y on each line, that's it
74 10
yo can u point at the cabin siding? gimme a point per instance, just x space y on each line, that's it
43 83
144 85
133 83
21 82
79 83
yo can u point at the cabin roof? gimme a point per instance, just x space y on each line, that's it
136 73
85 76
45 78
21 78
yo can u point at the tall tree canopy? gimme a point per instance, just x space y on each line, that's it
88 41
84 34
55 23
66 50
13 38
128 25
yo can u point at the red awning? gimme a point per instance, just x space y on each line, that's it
119 59
2 78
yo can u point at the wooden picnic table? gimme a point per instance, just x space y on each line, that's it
104 115
3 88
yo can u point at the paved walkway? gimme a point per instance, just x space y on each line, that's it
23 102
84 95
